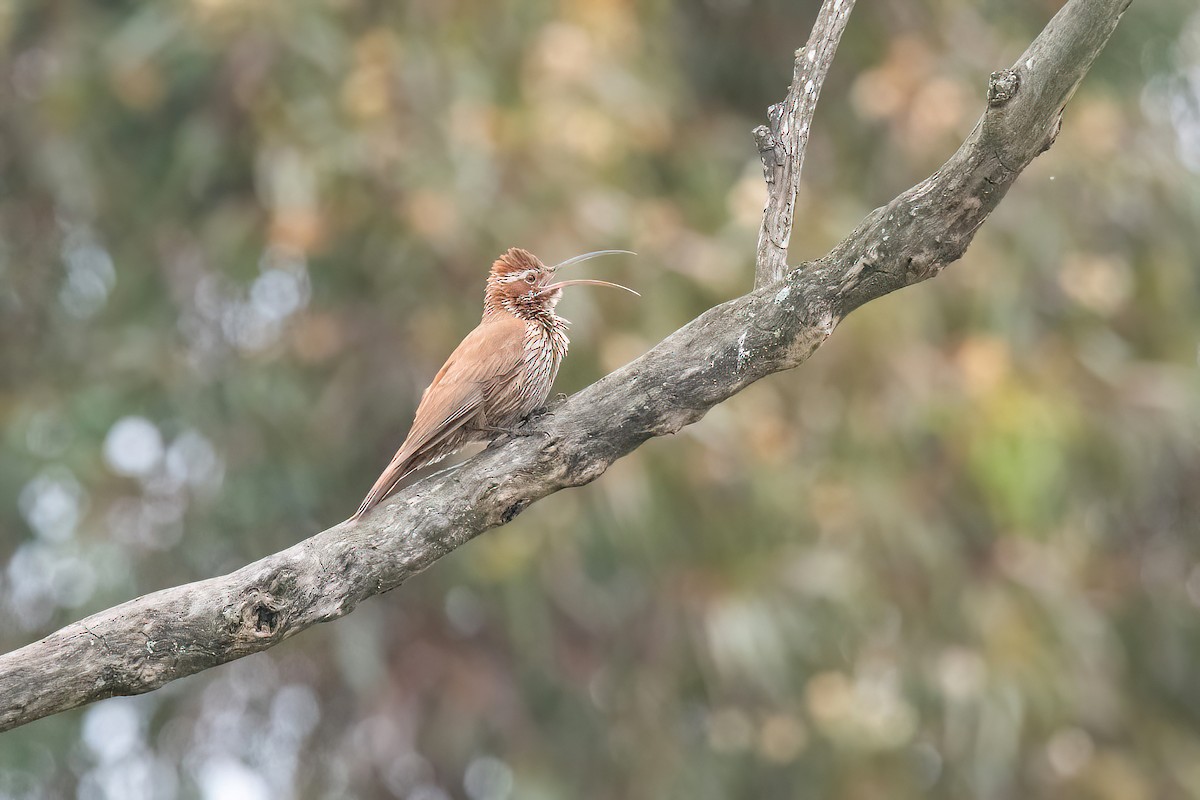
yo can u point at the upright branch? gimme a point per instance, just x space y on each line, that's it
783 141
142 644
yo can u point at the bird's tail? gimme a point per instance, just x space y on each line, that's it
400 468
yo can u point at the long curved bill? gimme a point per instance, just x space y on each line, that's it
582 282
593 254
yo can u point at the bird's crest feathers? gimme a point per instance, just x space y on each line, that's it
515 260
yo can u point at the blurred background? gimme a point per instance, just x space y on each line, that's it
956 554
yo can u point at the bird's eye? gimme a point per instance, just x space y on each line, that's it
530 276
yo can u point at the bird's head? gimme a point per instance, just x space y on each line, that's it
521 284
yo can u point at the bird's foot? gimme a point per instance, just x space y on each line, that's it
546 410
539 414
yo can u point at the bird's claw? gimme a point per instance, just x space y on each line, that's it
536 414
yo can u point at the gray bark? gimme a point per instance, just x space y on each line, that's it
783 141
142 644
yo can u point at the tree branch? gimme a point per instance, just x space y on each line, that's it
142 644
784 140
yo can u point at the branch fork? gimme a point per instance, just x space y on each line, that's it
783 141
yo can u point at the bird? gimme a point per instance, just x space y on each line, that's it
499 374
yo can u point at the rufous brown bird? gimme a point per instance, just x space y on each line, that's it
499 374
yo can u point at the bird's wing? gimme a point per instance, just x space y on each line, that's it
489 356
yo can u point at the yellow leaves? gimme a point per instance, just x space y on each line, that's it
961 673
651 127
613 24
747 197
474 125
835 506
1069 751
289 186
366 92
139 85
1115 776
1097 126
885 91
779 738
317 336
215 7
1011 641
939 108
563 54
984 363
227 15
909 91
7 12
297 229
583 98
782 738
582 130
867 712
1100 282
430 213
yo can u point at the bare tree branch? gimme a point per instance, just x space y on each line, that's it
783 141
141 645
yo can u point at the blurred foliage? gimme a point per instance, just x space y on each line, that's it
954 555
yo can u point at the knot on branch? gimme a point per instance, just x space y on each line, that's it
261 616
766 142
1003 87
768 139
